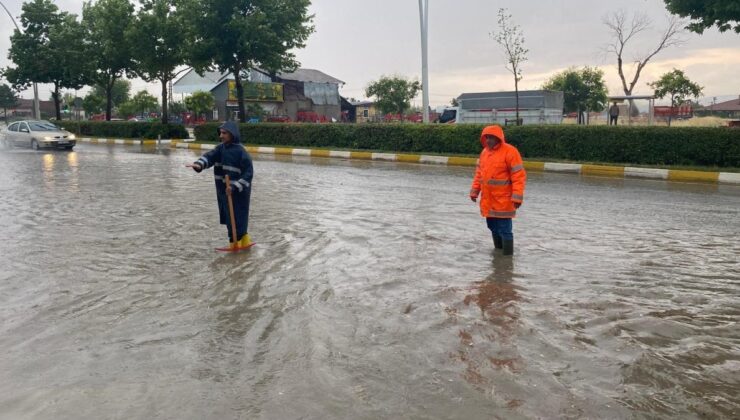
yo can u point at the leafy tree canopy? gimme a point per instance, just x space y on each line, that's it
676 85
583 90
200 102
236 36
120 91
51 49
142 103
159 35
8 99
30 50
107 23
725 14
93 103
393 94
145 102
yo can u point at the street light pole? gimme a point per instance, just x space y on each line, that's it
36 108
424 25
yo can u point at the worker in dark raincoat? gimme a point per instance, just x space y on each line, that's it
232 159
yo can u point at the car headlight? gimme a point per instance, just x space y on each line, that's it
47 138
71 137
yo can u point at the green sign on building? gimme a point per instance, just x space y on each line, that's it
254 91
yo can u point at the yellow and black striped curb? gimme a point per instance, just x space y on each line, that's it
573 168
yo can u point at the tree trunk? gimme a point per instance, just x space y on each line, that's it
165 116
516 93
55 95
109 97
240 95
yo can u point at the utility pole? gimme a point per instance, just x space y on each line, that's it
36 108
424 25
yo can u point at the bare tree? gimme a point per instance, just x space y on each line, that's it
509 36
623 30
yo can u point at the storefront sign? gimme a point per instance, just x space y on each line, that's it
254 91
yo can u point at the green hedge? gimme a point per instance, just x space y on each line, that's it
683 146
125 129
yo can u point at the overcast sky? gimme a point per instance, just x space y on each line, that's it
358 41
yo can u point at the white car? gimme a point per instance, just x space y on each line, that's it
37 135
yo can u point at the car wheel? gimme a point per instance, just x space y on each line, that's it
68 147
34 145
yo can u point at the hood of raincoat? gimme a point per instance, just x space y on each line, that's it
232 128
494 130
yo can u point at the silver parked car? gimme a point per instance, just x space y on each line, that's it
37 135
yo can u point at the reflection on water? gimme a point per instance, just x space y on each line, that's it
48 170
488 341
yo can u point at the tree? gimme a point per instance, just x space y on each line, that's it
236 36
160 30
176 108
676 85
120 92
583 90
127 109
29 48
107 23
511 39
51 49
255 110
393 94
708 13
68 100
142 103
200 102
8 99
454 102
623 32
93 103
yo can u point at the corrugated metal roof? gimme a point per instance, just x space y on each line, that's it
505 100
731 105
191 81
309 75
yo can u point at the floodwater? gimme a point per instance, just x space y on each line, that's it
372 292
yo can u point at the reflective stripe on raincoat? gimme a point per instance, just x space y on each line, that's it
499 177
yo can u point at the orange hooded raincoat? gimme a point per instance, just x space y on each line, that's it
499 177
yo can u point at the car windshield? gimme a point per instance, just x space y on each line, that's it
42 126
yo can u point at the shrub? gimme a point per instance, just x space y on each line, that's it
125 129
697 146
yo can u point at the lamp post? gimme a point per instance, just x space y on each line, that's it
424 25
36 108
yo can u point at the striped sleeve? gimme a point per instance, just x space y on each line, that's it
475 187
518 176
209 158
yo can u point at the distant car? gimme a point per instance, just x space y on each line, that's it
38 135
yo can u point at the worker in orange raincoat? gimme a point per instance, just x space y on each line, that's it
501 178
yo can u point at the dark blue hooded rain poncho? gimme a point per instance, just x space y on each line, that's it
231 159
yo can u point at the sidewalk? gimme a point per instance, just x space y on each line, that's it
534 166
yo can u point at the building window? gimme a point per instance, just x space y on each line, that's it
365 113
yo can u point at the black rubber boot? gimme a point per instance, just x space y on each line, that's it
498 242
509 247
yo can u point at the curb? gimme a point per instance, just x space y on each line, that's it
534 166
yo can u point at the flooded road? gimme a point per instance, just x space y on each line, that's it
372 292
